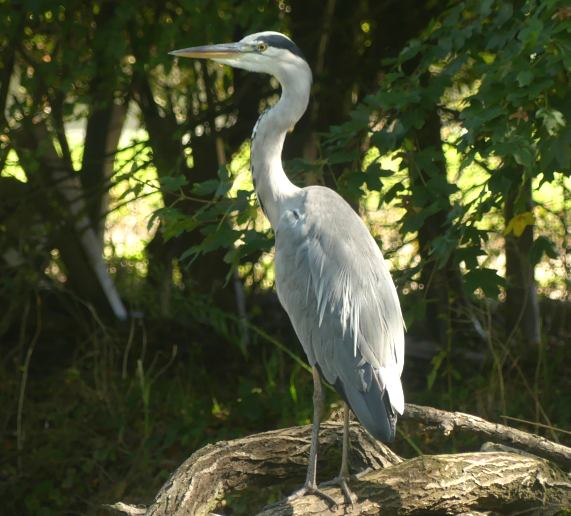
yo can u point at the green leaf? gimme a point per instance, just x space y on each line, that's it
373 174
392 192
440 186
217 236
524 77
172 183
487 57
174 222
413 47
384 140
428 160
248 213
531 32
485 279
469 255
351 183
542 245
519 222
206 187
442 247
523 155
553 120
413 221
556 153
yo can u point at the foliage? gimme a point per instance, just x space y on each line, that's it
499 74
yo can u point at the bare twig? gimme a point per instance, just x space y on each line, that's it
25 371
535 423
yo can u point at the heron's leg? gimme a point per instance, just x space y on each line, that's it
342 479
310 479
344 473
345 449
310 486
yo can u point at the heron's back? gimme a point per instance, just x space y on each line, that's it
334 284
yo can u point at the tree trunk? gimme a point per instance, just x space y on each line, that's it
104 127
447 308
522 306
65 208
108 110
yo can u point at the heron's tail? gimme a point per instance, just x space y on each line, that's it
372 407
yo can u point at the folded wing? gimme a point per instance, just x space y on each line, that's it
337 290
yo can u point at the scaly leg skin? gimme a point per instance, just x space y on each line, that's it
310 486
342 479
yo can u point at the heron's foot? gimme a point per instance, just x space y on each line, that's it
341 481
309 489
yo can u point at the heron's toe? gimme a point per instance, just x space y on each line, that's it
309 489
341 482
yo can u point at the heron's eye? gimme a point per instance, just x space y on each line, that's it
262 46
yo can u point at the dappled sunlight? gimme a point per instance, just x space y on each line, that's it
134 197
12 168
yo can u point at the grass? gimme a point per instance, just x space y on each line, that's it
117 410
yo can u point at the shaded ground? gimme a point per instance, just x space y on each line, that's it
111 410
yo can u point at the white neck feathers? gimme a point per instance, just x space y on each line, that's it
270 181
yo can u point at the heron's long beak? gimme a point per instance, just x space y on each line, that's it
224 50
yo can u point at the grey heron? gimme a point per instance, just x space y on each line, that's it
331 277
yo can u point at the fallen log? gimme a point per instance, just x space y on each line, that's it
243 475
501 483
202 482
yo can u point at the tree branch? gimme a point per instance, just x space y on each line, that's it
449 422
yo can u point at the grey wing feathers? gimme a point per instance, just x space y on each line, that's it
334 284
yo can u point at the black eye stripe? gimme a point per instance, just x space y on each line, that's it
277 41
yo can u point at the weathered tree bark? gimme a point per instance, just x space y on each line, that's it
504 483
203 481
501 482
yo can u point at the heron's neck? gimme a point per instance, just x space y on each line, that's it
273 187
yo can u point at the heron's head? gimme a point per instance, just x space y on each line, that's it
264 52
